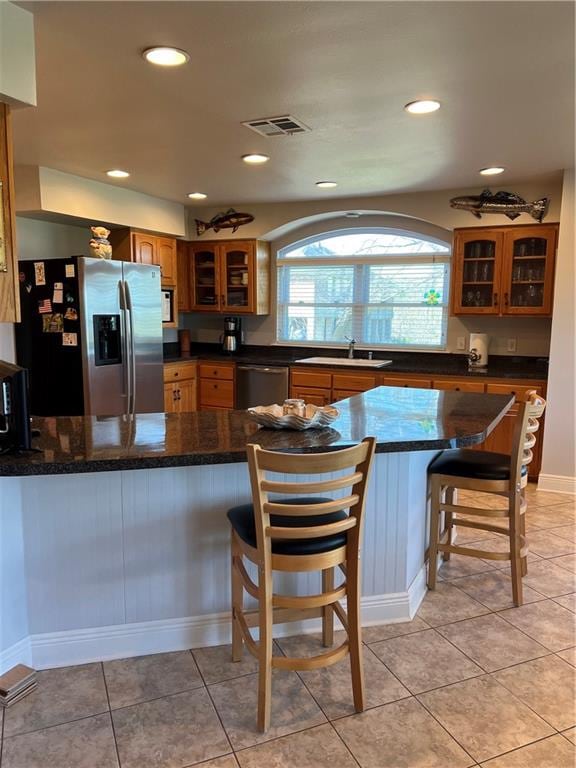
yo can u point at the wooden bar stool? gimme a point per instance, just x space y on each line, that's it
493 473
300 534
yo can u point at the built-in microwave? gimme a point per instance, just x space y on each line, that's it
167 305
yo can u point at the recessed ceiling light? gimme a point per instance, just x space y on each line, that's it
326 184
493 171
255 158
116 173
197 195
422 107
165 56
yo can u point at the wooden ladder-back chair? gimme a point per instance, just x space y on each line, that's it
298 534
485 472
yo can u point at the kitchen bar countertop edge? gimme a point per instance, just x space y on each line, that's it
401 420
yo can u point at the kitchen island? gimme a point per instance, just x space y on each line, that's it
114 537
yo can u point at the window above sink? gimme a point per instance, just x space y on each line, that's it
384 287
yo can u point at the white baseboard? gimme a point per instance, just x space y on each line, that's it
19 653
82 646
557 483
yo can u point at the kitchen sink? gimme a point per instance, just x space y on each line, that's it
355 363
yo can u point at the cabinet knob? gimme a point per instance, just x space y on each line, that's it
505 299
175 374
495 295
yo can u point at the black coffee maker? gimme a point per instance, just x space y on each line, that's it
231 339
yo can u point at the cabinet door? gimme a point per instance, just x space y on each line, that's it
166 255
183 268
528 274
237 274
170 398
144 249
205 278
477 272
217 392
314 396
187 396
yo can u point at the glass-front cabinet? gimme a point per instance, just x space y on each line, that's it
477 269
528 278
229 276
205 283
236 283
504 270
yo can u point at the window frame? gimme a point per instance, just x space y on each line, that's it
282 303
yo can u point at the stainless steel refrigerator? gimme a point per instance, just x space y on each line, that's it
91 336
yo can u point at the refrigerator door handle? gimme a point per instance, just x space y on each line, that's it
125 349
131 351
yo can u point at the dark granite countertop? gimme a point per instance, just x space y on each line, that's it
401 419
425 363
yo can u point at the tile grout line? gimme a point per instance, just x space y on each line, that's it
328 720
110 715
232 750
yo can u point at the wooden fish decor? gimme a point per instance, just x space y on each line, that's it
507 203
230 219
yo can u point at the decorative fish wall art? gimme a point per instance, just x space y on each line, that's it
230 219
507 203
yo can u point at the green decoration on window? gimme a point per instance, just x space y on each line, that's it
432 297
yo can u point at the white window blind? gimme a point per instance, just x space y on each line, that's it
381 288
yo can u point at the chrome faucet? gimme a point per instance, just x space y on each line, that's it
350 347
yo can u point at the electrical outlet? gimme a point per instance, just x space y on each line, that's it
461 342
511 347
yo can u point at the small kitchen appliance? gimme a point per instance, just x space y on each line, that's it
478 354
231 339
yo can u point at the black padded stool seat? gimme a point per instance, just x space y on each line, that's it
480 465
242 520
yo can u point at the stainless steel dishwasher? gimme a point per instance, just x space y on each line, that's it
260 385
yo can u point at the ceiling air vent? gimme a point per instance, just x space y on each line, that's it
285 125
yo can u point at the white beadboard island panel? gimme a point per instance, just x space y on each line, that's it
134 562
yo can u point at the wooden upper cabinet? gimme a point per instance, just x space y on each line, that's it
144 249
9 290
166 255
528 280
477 269
231 276
504 270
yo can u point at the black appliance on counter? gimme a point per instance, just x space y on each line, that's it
231 339
15 432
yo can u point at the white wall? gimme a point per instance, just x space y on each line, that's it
48 240
559 458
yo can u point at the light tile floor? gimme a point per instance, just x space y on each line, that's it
471 681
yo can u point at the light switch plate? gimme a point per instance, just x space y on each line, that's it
511 347
461 342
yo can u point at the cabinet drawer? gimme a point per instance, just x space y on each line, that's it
391 381
311 379
518 390
216 371
458 386
353 383
220 393
179 371
314 395
342 394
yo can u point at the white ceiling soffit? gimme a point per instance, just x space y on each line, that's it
503 72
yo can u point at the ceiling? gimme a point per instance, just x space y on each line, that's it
503 71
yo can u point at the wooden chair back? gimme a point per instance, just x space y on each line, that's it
357 459
527 424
